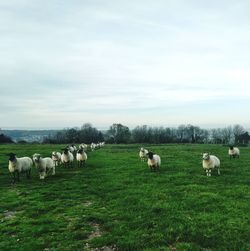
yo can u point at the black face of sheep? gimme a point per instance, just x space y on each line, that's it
231 147
150 155
80 151
65 150
12 157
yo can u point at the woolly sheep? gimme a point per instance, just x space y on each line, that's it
81 158
143 154
83 146
44 165
72 148
233 152
19 165
56 157
154 161
67 157
210 162
93 146
102 144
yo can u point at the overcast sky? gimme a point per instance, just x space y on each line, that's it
155 62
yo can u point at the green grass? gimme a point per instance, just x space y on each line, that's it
116 202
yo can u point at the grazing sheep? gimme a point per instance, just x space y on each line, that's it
44 165
210 162
81 158
233 152
19 165
143 154
93 146
67 157
154 161
83 146
102 144
56 157
72 148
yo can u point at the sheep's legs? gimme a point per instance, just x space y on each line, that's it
15 175
218 171
28 174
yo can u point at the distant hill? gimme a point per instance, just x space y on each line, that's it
28 135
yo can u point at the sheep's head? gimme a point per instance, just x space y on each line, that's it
206 156
231 147
36 157
65 150
80 151
150 155
12 157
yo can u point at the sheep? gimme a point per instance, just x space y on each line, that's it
72 148
44 165
154 161
93 146
143 154
67 157
210 162
83 146
19 165
233 152
81 158
56 157
102 144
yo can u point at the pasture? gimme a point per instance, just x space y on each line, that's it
117 203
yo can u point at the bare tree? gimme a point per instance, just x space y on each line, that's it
237 131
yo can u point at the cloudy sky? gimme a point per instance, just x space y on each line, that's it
154 62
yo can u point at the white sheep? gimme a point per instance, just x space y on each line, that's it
210 162
143 154
44 165
154 161
83 146
81 157
56 157
19 165
233 152
67 157
93 146
102 144
72 148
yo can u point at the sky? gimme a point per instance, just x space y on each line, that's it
140 62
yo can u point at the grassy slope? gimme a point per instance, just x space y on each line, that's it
117 201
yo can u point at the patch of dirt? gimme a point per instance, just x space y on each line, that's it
9 214
96 232
87 203
104 248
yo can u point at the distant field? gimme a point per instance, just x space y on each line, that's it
116 203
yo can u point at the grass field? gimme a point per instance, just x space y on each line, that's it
116 203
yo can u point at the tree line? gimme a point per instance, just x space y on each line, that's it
120 134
